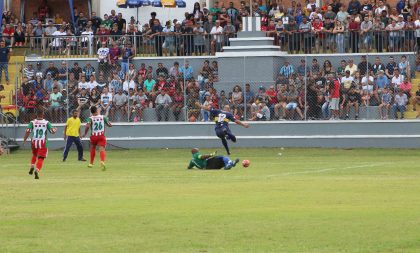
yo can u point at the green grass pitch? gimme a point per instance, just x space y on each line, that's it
302 200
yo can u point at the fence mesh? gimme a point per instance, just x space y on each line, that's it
295 87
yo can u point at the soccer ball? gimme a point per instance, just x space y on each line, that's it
245 163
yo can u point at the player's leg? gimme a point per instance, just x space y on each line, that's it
33 160
42 154
221 134
69 142
93 143
215 163
230 135
228 164
102 153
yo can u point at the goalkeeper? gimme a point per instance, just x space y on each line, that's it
210 161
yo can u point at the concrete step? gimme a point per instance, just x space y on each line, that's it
256 41
250 34
251 48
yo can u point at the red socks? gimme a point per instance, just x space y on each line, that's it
102 155
39 163
92 154
33 161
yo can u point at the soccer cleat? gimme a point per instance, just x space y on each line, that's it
64 159
90 165
31 170
103 166
82 160
36 174
235 162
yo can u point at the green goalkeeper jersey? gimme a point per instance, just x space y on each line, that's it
198 162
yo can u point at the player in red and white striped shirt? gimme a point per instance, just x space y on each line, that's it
97 124
39 141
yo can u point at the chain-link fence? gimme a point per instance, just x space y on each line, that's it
260 88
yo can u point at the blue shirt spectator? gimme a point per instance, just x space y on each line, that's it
287 70
382 81
88 70
187 71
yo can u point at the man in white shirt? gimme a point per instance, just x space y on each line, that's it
57 43
106 101
83 84
397 79
347 80
103 59
86 40
92 83
217 34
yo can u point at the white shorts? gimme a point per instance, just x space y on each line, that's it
335 104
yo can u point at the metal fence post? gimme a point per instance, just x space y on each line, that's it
306 88
244 91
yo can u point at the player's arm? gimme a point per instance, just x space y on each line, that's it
88 125
191 165
237 121
50 128
207 156
107 122
27 132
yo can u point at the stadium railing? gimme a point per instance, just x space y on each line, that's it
194 44
174 44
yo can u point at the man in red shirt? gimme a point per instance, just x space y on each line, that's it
272 97
334 89
354 28
103 34
317 27
8 34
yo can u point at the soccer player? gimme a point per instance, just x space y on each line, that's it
72 134
222 119
39 141
210 161
97 124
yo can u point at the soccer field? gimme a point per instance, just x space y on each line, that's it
299 200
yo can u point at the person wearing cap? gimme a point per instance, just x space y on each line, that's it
72 135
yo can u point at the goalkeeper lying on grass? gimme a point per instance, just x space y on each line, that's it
210 161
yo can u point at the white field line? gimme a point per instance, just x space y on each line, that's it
327 169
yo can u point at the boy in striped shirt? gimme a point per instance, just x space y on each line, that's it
97 124
39 141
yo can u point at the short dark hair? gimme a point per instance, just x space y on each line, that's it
40 113
93 109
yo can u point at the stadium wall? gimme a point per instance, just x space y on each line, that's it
325 134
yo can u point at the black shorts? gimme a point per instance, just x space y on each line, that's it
215 163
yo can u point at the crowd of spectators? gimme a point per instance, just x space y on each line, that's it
315 90
297 26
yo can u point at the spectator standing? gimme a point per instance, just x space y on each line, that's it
334 91
104 58
128 54
63 74
156 35
88 70
119 106
4 60
55 109
217 37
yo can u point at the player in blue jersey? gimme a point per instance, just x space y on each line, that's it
222 119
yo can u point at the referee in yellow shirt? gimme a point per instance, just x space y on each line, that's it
72 134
